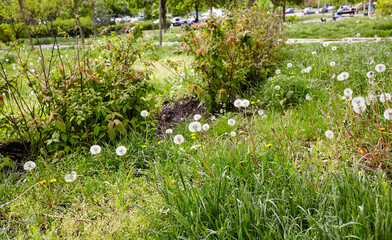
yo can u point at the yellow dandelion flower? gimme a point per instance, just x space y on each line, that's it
199 145
240 131
258 100
362 150
346 110
53 180
269 145
364 91
359 172
148 165
193 134
43 181
144 146
160 142
193 137
252 102
292 73
299 170
173 181
382 129
349 51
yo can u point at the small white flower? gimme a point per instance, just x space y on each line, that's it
231 122
277 71
206 127
289 65
178 139
334 48
329 134
194 127
380 68
233 134
144 113
325 44
358 35
30 165
385 97
245 103
345 75
370 74
277 87
121 150
169 131
70 177
197 117
348 92
238 103
95 149
340 78
388 114
357 101
314 53
360 108
309 68
261 112
332 64
371 98
308 97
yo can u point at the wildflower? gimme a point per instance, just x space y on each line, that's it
121 150
238 103
231 122
53 180
261 112
358 101
382 129
385 97
289 65
299 170
252 102
144 113
169 131
194 127
380 67
233 134
43 181
95 149
30 165
197 117
359 172
70 177
144 146
277 71
358 34
370 74
325 44
308 97
348 92
178 139
258 100
388 114
159 142
268 145
345 75
241 132
340 78
332 64
309 68
206 127
329 134
314 53
245 103
277 87
334 48
359 108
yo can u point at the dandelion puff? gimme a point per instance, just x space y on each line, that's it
178 139
332 64
261 112
277 87
30 165
169 131
144 113
70 177
231 122
308 97
206 127
277 71
309 68
194 127
245 103
325 44
334 48
121 150
388 114
197 117
329 134
345 75
348 92
95 149
314 53
289 65
340 78
358 101
370 74
233 134
385 97
359 108
372 98
380 68
238 103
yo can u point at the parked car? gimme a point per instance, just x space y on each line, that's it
141 18
330 8
289 10
178 21
308 10
323 10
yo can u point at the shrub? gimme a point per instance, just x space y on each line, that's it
233 54
6 34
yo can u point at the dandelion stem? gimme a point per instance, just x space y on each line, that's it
107 176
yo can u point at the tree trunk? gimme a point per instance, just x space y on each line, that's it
26 23
163 12
160 22
211 5
284 12
152 20
76 9
94 21
197 11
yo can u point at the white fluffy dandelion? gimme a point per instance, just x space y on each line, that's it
314 53
277 71
206 127
359 108
345 75
325 44
238 103
121 150
329 134
289 65
358 101
348 92
178 139
169 131
197 117
332 64
95 149
334 48
308 97
385 97
380 68
194 127
261 112
233 134
245 103
30 165
370 74
277 87
144 113
70 177
231 122
388 114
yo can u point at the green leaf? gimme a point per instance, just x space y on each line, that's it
61 125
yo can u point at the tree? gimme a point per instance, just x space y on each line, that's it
21 8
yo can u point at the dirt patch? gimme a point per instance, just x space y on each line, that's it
175 112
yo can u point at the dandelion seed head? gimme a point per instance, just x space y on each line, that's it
144 113
197 117
30 165
380 68
277 71
245 103
348 92
233 134
231 122
325 44
329 134
238 103
334 48
261 112
95 149
385 97
70 177
289 65
308 97
194 127
169 131
314 53
357 101
370 74
359 108
206 127
178 139
121 150
388 114
277 87
332 64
